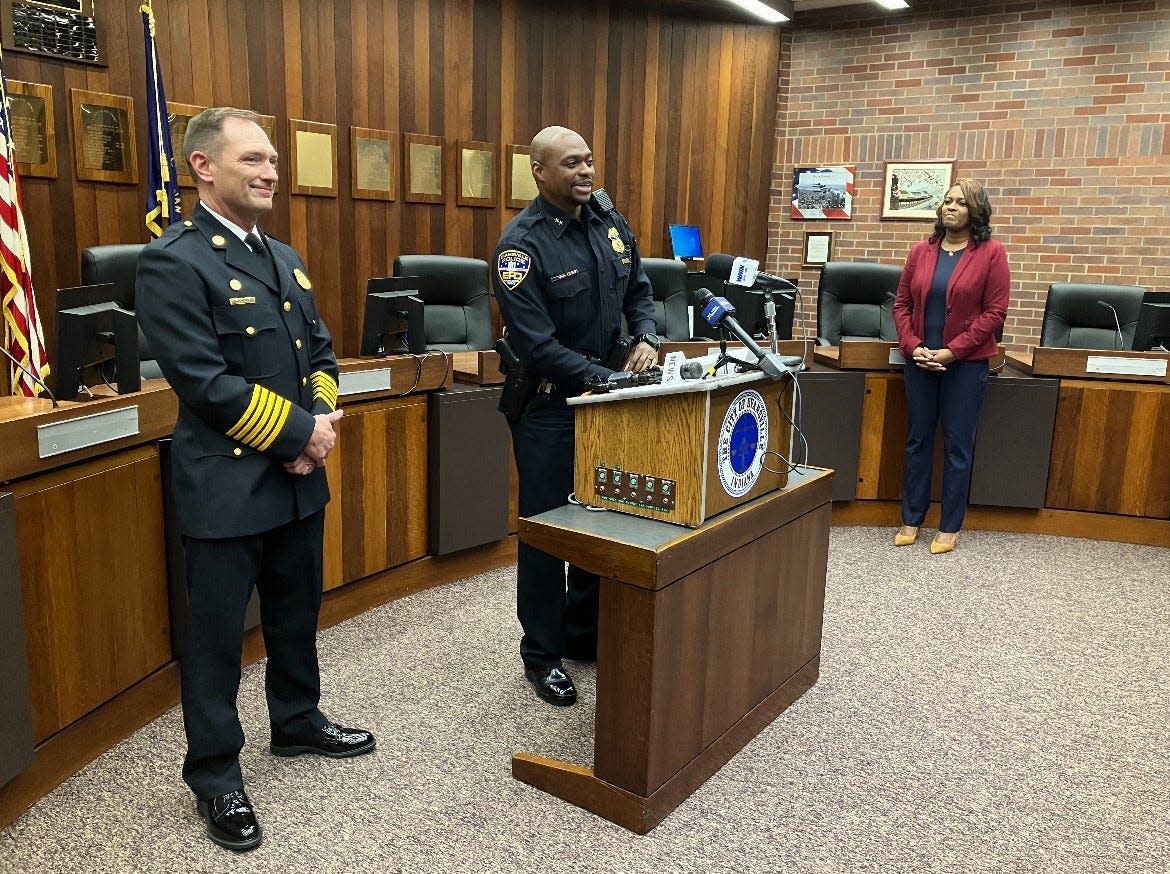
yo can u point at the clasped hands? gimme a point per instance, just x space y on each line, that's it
320 444
933 359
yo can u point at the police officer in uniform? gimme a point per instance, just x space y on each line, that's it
231 316
566 269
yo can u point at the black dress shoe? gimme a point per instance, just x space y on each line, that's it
332 741
553 685
231 822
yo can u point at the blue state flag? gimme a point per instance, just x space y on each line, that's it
163 204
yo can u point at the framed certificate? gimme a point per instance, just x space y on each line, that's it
103 137
313 156
477 173
34 132
423 161
372 155
520 186
818 248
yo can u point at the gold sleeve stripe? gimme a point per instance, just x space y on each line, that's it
325 388
263 420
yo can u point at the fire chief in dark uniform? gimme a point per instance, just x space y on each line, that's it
231 317
566 270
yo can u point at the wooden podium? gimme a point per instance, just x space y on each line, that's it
683 451
704 637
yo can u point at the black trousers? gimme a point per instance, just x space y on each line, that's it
285 565
555 612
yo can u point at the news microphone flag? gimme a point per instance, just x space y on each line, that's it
163 204
24 338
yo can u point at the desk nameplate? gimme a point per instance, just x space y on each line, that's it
361 381
1109 364
68 435
1121 365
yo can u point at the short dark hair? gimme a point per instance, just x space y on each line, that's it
205 131
978 209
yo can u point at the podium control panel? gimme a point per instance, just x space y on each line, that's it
614 485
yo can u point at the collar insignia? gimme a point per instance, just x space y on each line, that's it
302 280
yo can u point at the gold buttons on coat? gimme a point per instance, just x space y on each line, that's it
217 240
299 344
304 380
287 306
249 330
236 285
237 452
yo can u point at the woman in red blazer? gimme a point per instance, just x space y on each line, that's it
952 299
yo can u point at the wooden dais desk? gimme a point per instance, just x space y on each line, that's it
704 637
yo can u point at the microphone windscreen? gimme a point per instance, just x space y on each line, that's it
703 295
719 266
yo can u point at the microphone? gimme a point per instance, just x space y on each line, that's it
1116 321
717 312
745 272
31 375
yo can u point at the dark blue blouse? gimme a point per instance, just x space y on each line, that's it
936 301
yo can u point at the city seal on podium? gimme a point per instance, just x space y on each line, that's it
743 439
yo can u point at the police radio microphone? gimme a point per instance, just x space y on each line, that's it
717 311
31 376
1120 340
745 272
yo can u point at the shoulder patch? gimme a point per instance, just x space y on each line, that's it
512 266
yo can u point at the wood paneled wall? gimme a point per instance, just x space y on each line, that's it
680 113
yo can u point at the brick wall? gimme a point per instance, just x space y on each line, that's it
1062 110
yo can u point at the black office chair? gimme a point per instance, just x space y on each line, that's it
855 300
454 290
668 278
1074 318
118 264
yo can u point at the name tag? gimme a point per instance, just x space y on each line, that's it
240 301
561 276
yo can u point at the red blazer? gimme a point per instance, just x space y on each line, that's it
977 299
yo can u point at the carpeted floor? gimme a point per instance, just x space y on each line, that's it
1004 708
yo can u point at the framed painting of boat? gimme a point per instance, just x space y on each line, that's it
914 189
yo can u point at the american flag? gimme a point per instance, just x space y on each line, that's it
24 338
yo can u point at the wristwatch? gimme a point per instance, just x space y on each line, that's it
652 340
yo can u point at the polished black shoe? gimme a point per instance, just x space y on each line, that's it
231 822
332 741
553 685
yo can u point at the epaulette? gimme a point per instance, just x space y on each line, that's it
175 231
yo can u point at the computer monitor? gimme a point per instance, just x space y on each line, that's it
1153 324
97 341
393 321
685 242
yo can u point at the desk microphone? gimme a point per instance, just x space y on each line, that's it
31 376
718 313
1120 337
745 272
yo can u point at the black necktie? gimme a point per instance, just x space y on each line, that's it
263 256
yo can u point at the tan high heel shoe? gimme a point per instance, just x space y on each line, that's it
939 546
901 538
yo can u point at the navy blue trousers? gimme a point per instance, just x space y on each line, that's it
555 612
953 399
285 565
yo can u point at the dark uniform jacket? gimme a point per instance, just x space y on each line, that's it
251 363
562 294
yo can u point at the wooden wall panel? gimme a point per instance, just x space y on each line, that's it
679 111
